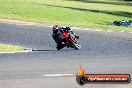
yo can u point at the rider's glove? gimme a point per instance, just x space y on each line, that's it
77 37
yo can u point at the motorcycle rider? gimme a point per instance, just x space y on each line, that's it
55 36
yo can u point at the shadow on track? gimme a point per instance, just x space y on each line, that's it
43 50
38 50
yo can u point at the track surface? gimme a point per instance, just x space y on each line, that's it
101 52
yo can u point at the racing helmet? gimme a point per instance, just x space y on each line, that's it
55 27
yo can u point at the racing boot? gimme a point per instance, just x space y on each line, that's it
57 48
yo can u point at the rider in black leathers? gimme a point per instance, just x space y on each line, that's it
55 36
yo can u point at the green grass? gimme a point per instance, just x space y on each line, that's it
79 13
10 48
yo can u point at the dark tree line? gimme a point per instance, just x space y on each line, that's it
127 0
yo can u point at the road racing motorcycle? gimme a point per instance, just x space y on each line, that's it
69 39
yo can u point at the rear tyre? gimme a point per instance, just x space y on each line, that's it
57 48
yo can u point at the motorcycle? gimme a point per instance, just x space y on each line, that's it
69 39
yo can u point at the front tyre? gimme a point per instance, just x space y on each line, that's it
76 45
81 80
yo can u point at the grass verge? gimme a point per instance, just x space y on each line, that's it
10 48
79 13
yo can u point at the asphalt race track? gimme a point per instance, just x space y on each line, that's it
101 52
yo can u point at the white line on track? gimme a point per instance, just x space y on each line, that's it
27 50
57 75
14 52
6 52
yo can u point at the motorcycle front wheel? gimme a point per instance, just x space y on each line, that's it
76 45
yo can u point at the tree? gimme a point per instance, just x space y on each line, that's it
127 0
